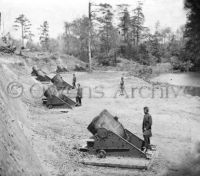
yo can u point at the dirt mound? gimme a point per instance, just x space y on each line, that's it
50 62
135 69
16 154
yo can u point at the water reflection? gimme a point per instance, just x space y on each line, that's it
191 81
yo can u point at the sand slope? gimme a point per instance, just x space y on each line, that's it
16 155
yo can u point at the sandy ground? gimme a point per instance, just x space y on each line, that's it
54 135
16 154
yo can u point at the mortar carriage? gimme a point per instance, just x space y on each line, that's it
111 139
55 99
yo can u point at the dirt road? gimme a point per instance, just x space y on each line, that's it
54 135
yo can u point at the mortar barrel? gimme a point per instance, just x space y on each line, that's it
51 90
107 121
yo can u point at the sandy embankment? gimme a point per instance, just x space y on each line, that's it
16 154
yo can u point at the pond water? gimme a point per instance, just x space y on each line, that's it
189 80
179 79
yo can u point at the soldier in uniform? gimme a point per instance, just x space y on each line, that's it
122 86
79 95
74 81
146 128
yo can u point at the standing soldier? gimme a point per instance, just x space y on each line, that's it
146 128
79 95
74 81
122 86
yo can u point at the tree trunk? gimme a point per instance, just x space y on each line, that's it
22 35
89 40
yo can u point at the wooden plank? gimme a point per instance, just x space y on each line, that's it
120 162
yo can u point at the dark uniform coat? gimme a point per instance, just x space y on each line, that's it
79 92
146 125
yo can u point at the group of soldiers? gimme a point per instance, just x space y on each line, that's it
147 120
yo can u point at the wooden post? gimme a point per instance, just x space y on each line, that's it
89 40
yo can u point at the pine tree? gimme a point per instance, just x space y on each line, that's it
137 21
106 27
24 24
44 35
124 28
124 21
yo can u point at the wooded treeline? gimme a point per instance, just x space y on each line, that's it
120 32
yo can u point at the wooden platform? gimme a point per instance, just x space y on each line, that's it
121 162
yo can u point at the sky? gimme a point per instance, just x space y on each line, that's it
170 13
